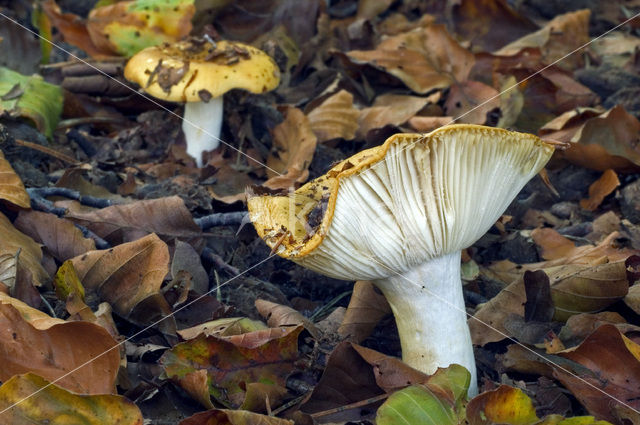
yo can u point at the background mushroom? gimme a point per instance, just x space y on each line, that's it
198 72
398 215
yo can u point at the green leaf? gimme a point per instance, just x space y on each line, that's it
417 404
32 98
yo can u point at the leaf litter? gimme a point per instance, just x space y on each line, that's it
101 238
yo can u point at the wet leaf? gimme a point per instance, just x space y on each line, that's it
605 185
366 307
59 236
335 118
167 217
127 274
30 399
37 100
233 417
52 348
424 59
11 187
224 367
127 27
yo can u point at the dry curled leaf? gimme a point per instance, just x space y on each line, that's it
30 257
366 307
471 102
335 118
393 109
11 187
282 315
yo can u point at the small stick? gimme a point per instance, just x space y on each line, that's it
350 406
48 151
221 219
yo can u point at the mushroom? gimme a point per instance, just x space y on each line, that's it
198 72
399 214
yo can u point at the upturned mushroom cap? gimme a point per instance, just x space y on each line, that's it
395 206
195 70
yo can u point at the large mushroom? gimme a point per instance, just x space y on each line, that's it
198 72
399 215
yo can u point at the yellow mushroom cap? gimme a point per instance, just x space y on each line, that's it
195 70
395 206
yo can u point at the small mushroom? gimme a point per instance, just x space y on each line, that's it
198 72
399 215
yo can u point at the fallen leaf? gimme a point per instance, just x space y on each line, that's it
226 366
476 21
125 275
127 27
392 109
59 236
335 118
504 405
605 185
417 404
30 257
28 399
366 308
471 102
233 417
226 326
295 144
281 315
230 184
185 258
11 186
559 37
428 124
598 140
614 361
424 59
54 349
38 101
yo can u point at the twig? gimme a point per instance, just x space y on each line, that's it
90 201
48 151
100 243
222 219
287 405
350 406
217 261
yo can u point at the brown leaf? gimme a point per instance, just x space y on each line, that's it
476 21
61 238
230 183
605 185
185 258
471 101
391 373
30 257
394 109
428 124
295 145
579 326
424 59
29 399
226 326
125 275
366 307
335 118
167 217
614 362
599 140
233 417
559 37
34 341
11 187
281 315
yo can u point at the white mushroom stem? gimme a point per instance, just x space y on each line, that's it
429 309
201 126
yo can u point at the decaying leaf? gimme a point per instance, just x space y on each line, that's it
226 368
366 307
282 315
335 118
424 59
392 109
13 241
11 187
53 348
127 27
226 326
29 399
471 102
126 275
59 236
233 417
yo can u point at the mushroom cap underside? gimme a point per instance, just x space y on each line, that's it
395 206
195 70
